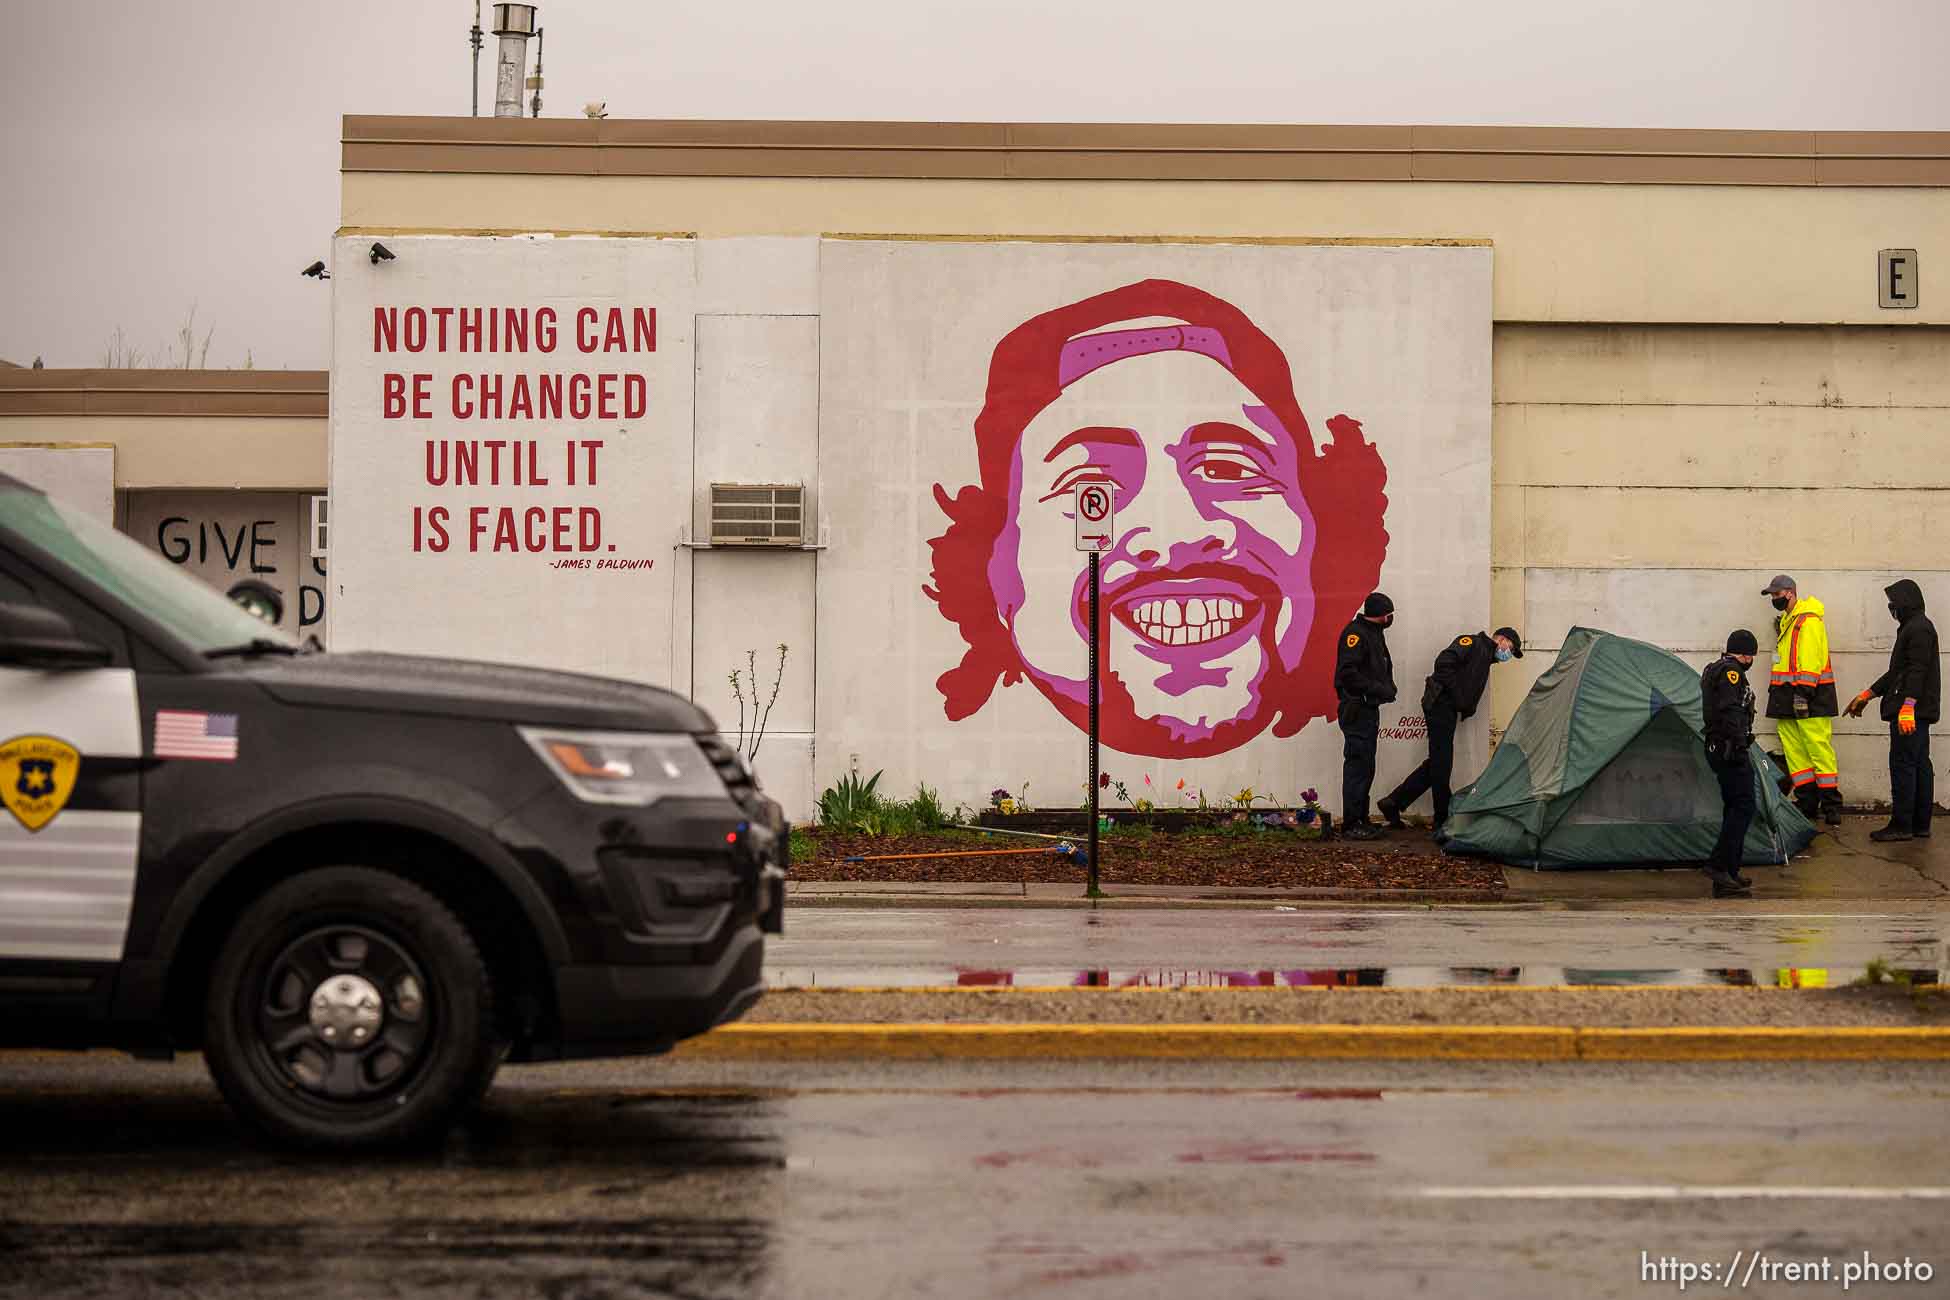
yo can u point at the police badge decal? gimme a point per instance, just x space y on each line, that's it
37 774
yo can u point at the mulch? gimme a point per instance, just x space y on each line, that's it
1269 859
1620 1007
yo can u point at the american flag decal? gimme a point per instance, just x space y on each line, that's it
181 734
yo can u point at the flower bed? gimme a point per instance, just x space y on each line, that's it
1246 858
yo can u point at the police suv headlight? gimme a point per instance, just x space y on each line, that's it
625 767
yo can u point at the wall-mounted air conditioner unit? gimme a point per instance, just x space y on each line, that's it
758 514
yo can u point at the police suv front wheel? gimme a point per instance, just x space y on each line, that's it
350 1008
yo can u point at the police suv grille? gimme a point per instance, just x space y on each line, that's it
725 759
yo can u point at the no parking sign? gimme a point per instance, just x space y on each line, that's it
1096 516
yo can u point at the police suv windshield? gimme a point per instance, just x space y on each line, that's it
201 617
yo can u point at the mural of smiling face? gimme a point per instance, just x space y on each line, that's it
1206 589
1241 544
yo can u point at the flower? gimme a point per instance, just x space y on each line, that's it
1103 780
1310 795
1147 778
1181 783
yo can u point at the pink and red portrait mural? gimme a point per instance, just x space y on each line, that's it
1243 544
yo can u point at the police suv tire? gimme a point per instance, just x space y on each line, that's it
300 940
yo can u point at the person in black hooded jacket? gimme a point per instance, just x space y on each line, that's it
1912 699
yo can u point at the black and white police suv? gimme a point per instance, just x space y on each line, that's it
357 882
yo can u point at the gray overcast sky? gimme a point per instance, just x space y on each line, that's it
159 155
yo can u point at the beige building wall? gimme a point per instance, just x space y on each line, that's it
1694 383
240 429
1650 479
191 451
1654 253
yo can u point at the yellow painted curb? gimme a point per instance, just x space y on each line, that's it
1766 1043
754 1041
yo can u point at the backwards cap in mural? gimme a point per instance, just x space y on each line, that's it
1604 765
1242 546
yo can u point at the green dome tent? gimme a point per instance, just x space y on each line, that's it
1604 766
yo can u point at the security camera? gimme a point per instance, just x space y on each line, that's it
317 271
380 253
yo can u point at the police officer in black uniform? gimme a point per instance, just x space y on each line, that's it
1728 704
1451 694
1364 679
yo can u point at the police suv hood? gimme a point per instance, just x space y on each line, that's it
464 688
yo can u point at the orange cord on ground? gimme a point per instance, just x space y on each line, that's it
957 853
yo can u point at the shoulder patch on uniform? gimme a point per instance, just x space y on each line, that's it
1465 640
1733 676
37 774
1353 639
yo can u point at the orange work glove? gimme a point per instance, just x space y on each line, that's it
1906 718
1859 703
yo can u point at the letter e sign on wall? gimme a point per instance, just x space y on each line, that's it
1095 511
1896 277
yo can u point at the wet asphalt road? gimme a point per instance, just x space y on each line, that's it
697 1180
831 946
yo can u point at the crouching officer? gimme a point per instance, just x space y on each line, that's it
1364 679
1728 704
1451 693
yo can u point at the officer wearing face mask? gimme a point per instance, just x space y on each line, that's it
1912 697
1364 679
1451 693
1727 704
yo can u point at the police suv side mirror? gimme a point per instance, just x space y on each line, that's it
33 636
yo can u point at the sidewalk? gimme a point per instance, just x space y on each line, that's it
1841 865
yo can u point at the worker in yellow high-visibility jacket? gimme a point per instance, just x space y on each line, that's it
1801 698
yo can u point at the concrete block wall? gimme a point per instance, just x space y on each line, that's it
1649 479
756 420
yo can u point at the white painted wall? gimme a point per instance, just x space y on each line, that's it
757 421
758 276
472 599
747 600
856 368
1398 337
80 476
757 405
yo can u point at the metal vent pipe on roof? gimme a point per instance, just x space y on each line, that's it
514 24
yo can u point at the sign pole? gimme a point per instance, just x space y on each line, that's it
1095 673
1094 507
